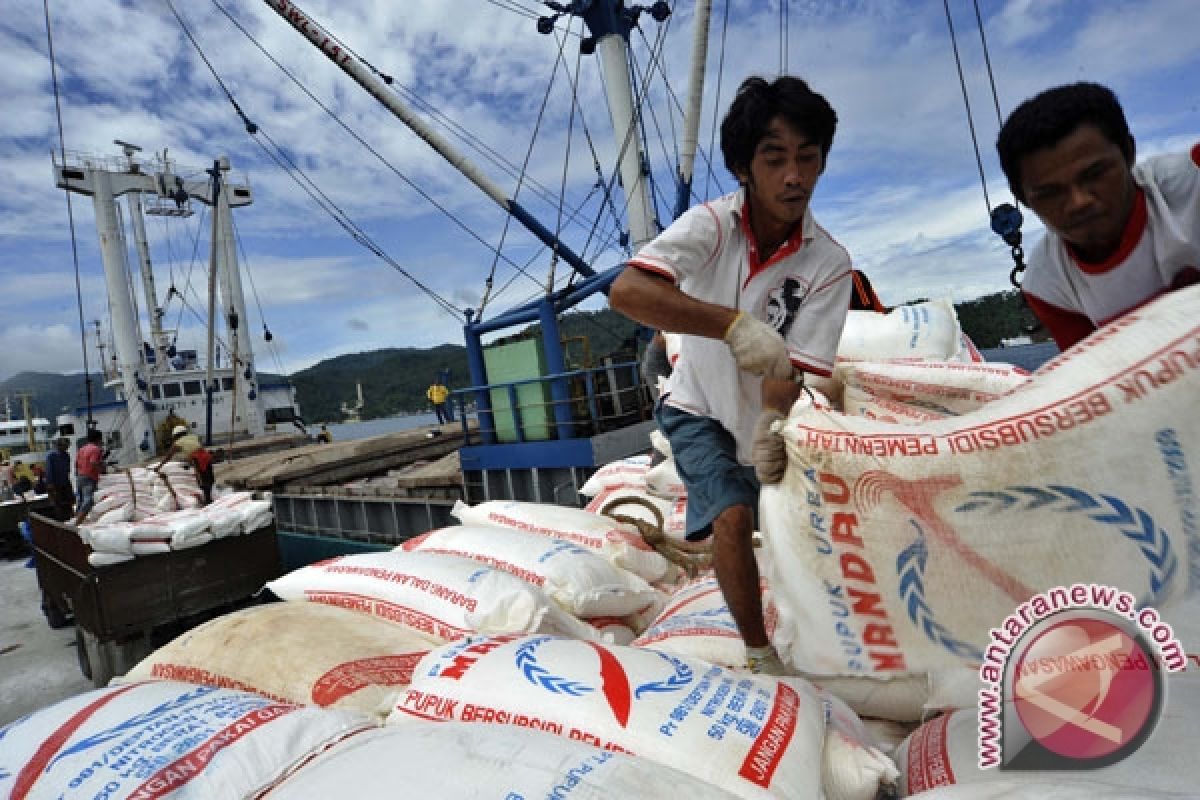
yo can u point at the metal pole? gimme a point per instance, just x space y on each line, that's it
691 119
215 172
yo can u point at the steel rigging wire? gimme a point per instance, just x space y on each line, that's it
1005 218
344 220
62 149
410 96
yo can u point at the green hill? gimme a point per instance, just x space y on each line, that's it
395 379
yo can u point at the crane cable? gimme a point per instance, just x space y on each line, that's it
1005 218
62 149
355 135
328 205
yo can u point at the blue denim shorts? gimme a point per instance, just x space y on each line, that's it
706 459
87 494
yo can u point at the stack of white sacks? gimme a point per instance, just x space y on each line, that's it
535 650
485 656
141 511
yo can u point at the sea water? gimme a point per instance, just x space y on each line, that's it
346 431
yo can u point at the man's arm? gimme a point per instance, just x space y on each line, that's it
655 301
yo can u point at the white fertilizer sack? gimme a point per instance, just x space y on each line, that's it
626 472
896 548
947 387
461 760
921 330
621 544
438 596
755 737
163 740
578 579
302 653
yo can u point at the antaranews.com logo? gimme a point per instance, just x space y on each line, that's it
1073 679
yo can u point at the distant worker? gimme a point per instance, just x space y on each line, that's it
1117 235
760 293
437 394
24 482
324 437
7 475
58 480
186 448
40 486
89 464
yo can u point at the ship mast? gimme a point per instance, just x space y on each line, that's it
104 182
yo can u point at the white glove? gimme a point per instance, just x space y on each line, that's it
758 348
769 451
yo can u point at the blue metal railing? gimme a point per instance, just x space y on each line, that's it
603 398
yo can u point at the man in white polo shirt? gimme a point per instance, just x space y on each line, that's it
1118 235
759 291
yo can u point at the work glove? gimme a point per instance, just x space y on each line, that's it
768 452
758 348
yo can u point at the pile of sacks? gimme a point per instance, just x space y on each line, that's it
114 540
485 656
134 494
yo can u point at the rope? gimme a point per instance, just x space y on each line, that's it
62 149
652 533
967 102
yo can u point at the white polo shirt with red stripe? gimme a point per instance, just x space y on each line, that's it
803 291
1159 251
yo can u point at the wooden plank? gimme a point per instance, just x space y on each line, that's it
295 479
339 461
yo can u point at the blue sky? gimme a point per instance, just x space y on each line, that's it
901 190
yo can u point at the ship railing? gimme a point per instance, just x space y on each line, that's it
598 400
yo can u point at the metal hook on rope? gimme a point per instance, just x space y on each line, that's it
1006 223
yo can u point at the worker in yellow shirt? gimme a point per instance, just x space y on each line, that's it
438 394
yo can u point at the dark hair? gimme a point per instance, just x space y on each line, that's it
1048 118
95 436
758 102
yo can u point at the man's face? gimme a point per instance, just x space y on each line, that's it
782 175
1082 189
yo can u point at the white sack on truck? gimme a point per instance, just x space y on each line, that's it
439 597
301 653
163 740
461 760
896 548
754 736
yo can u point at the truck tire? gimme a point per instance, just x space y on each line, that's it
85 664
55 617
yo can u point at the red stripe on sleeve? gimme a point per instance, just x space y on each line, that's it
1067 327
652 269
